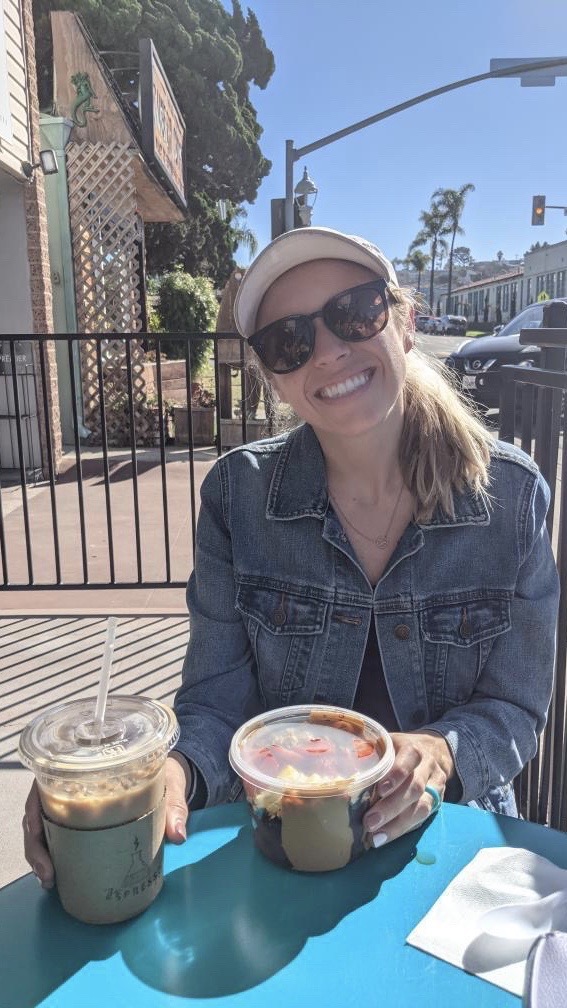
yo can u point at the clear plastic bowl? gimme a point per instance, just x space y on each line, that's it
310 773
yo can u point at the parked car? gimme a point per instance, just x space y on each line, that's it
477 362
421 322
433 325
454 325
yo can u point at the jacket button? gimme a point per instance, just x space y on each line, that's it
279 617
402 631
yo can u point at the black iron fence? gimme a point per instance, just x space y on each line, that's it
533 407
118 508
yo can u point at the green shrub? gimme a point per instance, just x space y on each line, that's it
185 304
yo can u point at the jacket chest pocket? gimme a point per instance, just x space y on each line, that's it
457 640
284 628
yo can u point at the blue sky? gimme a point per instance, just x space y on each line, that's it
339 61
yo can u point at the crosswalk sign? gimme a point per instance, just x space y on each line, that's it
543 296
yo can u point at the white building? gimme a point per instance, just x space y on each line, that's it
545 270
492 300
25 281
498 299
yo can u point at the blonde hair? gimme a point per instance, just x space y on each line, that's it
444 445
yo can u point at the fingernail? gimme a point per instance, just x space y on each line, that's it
180 829
37 874
379 839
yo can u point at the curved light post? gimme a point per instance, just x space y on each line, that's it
534 72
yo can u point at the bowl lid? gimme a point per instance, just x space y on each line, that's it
311 749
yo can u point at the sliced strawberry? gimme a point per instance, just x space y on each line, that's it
362 748
318 745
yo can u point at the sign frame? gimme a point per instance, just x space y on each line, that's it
153 78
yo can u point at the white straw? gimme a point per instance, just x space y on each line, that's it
105 672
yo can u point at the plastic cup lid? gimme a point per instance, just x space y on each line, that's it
63 740
337 748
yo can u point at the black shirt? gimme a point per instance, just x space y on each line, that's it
372 697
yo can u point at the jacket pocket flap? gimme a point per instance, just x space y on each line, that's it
281 612
465 623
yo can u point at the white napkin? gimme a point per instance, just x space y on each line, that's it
452 929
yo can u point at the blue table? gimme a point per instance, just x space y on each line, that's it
231 929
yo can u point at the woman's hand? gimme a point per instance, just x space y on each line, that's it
35 847
178 782
422 758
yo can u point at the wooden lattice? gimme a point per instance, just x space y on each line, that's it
105 232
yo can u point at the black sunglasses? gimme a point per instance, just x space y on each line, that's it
354 316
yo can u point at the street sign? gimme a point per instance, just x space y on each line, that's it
543 296
532 78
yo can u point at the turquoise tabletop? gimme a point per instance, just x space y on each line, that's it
231 929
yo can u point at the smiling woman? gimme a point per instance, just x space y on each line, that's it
386 555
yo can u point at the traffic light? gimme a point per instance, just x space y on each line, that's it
538 209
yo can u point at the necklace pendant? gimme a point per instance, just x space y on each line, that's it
381 542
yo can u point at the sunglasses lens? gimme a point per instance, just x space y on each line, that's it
285 345
354 316
357 315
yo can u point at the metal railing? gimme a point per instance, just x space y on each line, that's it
532 410
75 527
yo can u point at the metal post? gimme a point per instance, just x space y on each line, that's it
289 162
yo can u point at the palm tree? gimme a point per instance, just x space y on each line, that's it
417 261
434 228
241 234
451 203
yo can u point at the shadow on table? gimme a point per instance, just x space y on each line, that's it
258 918
221 925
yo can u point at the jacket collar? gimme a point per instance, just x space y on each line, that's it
298 487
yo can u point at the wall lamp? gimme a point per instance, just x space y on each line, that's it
47 162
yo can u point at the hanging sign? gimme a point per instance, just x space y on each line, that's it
5 115
163 128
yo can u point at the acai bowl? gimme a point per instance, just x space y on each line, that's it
310 772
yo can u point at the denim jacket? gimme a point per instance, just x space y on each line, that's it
280 612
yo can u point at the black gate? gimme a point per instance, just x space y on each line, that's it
533 404
119 508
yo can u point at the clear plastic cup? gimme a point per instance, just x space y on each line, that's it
103 801
310 772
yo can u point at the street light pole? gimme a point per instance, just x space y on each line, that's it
523 68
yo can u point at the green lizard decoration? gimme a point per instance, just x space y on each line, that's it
83 103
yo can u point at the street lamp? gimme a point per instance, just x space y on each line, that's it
305 196
529 70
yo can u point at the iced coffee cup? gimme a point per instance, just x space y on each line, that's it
310 772
103 801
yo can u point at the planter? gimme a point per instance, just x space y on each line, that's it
231 431
203 425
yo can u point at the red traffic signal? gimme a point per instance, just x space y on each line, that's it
538 209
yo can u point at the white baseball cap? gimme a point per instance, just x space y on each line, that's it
292 248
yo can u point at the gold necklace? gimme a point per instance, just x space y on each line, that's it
380 541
